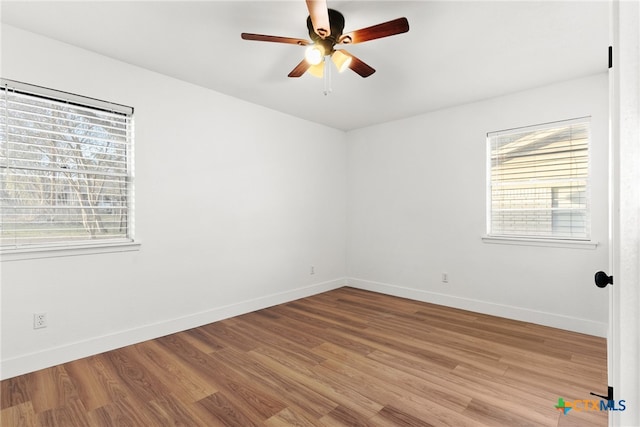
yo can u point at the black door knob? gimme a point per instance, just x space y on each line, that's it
602 279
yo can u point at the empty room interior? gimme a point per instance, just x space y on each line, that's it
433 222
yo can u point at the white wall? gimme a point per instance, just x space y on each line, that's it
234 203
417 209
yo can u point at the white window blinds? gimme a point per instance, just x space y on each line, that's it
539 181
65 168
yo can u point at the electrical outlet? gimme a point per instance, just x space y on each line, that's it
39 320
445 278
312 270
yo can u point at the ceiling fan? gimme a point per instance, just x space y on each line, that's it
325 30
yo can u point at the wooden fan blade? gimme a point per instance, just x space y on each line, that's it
386 29
300 69
319 17
358 66
275 39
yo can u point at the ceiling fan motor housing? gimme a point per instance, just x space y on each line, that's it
336 22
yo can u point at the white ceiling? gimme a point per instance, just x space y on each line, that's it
455 51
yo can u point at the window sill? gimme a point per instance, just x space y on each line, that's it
549 243
68 250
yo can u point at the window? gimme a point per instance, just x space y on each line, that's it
539 181
65 169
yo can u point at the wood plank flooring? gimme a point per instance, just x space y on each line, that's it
343 358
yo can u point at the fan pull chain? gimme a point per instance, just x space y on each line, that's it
327 76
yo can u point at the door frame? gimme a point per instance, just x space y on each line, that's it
625 201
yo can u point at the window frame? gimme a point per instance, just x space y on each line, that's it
537 240
73 247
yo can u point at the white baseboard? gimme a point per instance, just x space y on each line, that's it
568 323
65 353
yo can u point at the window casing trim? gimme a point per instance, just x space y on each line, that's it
55 251
542 242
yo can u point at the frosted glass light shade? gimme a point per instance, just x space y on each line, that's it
314 54
341 60
316 70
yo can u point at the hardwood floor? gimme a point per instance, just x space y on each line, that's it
346 357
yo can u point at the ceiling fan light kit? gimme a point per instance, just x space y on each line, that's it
317 70
314 54
341 60
325 28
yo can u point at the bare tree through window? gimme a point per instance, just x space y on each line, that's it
65 171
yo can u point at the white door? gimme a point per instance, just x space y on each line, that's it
624 313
